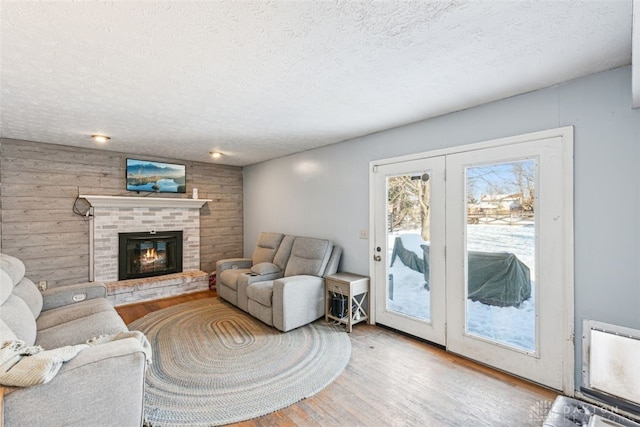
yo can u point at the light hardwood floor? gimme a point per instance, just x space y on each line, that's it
395 380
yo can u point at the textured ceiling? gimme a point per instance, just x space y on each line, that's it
262 79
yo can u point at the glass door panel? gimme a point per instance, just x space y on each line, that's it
501 247
408 237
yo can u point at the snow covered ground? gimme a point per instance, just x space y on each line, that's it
514 326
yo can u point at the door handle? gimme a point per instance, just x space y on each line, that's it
377 257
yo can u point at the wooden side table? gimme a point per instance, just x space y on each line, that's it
356 288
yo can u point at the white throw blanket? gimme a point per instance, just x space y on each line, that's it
23 366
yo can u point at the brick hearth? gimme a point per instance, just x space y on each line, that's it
150 288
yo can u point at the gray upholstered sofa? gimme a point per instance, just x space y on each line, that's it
101 385
282 284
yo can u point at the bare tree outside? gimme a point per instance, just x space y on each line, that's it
408 202
525 174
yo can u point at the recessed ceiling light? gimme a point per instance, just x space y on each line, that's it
215 154
100 138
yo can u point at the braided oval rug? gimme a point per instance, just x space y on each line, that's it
214 364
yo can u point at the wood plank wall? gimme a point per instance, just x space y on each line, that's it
39 184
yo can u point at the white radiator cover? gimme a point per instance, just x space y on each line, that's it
612 360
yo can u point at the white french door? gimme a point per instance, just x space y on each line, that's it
411 299
510 316
482 261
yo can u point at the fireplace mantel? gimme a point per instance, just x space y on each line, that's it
142 202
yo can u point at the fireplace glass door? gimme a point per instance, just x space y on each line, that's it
149 254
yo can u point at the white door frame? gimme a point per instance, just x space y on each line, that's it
566 134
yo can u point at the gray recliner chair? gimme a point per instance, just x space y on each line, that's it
268 262
295 296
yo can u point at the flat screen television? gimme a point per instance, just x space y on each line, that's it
158 177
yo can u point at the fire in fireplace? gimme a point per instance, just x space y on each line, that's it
149 254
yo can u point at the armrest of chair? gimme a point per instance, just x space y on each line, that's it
232 263
71 294
103 384
297 300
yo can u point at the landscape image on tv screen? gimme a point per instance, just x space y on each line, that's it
145 175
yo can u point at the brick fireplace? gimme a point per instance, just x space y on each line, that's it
114 215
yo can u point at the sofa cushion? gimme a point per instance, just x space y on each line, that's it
266 247
334 261
6 334
15 313
13 267
265 268
261 292
284 252
6 286
229 277
28 291
80 330
69 313
77 323
309 256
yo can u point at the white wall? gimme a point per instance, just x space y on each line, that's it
325 192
